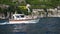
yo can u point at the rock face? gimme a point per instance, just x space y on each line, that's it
3 6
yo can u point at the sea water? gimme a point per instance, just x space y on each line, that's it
44 26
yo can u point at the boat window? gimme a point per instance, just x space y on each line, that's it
22 16
17 16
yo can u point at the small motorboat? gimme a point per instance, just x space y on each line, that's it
21 18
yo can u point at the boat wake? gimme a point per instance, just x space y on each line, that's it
3 23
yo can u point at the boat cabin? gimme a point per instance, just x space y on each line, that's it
18 16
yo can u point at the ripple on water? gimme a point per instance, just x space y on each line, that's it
44 26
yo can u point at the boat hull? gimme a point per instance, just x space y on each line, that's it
23 21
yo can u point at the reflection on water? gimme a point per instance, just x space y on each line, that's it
44 26
13 28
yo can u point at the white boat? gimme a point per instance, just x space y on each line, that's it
21 18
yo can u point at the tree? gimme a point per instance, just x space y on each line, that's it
7 2
4 8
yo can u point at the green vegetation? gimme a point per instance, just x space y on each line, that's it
44 3
14 6
34 3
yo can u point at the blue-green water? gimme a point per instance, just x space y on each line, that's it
44 26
